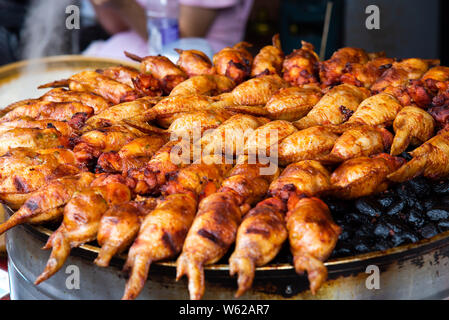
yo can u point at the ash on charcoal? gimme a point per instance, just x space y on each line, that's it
437 214
385 200
396 207
368 206
428 231
415 217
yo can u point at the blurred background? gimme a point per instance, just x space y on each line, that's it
408 28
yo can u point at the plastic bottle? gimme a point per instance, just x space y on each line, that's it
162 24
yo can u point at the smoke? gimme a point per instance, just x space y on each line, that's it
44 32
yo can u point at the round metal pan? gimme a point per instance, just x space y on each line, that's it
415 271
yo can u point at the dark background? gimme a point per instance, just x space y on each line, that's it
408 28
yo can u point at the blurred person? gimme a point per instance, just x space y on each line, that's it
221 22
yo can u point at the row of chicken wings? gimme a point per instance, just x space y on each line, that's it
97 153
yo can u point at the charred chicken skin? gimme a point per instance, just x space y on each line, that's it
26 171
332 70
161 68
48 202
366 74
234 63
300 66
269 59
132 155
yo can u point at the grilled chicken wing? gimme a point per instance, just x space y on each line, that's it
259 239
119 226
166 110
230 137
412 125
254 92
430 159
154 174
264 141
212 233
234 63
132 155
160 67
361 141
81 221
208 85
160 237
194 63
41 110
423 91
117 113
31 138
293 103
300 66
364 176
331 70
199 179
312 235
86 98
269 59
48 202
32 170
197 122
313 143
101 85
401 72
307 178
144 84
366 74
380 109
335 107
93 143
17 104
122 74
62 127
248 181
